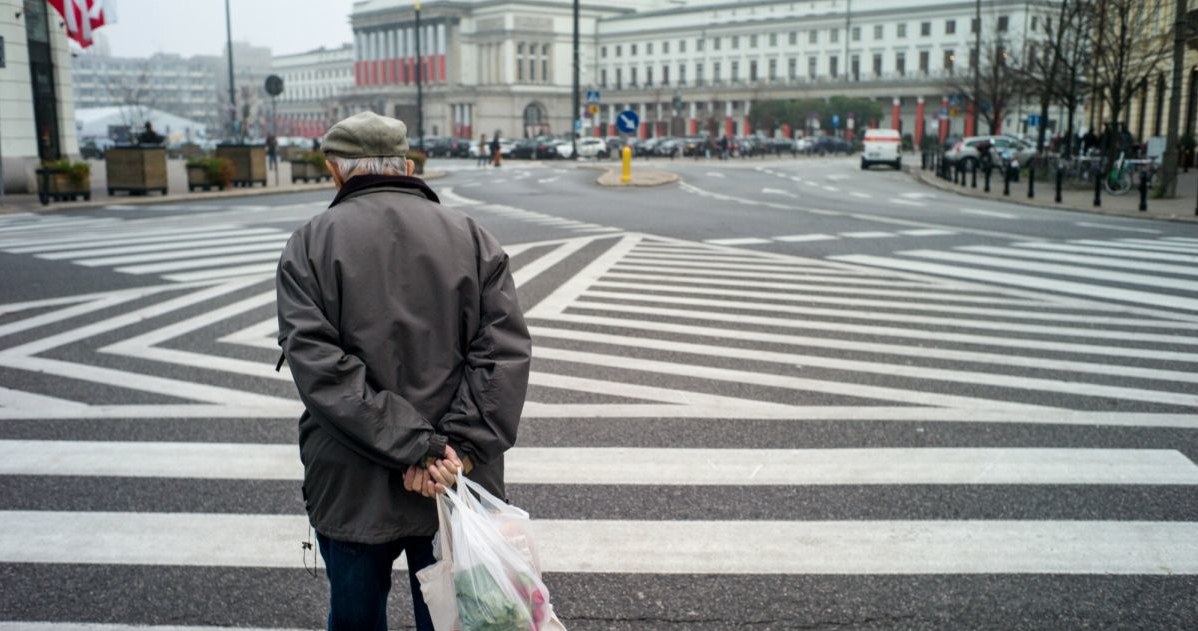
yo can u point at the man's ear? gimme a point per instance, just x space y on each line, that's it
410 167
337 181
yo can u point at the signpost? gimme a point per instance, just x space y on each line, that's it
274 87
627 122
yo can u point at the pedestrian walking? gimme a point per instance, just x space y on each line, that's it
484 152
496 151
272 151
399 320
724 147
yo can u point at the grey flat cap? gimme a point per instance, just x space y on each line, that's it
366 135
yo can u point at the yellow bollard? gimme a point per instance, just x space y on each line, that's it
626 171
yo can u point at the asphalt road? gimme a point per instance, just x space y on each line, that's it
776 395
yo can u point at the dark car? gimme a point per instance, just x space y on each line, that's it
524 149
823 145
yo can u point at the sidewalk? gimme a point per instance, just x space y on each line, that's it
1180 208
177 192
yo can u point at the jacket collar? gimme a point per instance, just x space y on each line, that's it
362 184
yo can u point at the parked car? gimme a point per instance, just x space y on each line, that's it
823 145
524 149
967 153
447 147
94 148
882 146
593 148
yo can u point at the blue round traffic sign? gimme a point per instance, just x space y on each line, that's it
627 122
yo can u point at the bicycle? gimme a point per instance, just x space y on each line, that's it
1123 175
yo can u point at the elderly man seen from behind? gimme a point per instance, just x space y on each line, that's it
399 320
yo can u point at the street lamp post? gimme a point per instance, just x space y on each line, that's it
232 88
577 106
976 58
419 85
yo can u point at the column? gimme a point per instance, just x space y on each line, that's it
944 119
729 123
660 124
611 120
357 59
409 64
748 129
642 131
969 118
441 45
692 124
919 122
896 122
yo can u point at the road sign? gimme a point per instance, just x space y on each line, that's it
1033 120
592 96
577 124
836 120
628 121
593 109
274 85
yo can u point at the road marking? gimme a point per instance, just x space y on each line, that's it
775 191
1160 246
636 466
1099 261
214 262
714 174
275 246
1111 251
860 194
225 273
251 236
1097 292
1185 239
1085 224
547 180
555 256
867 234
906 202
831 189
837 176
927 232
799 238
660 547
1060 270
988 213
737 241
140 236
917 195
450 198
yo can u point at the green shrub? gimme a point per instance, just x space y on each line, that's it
79 173
218 170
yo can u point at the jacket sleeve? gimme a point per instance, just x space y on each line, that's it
379 425
485 413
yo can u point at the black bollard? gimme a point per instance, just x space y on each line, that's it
1006 180
1060 177
986 177
973 174
1031 180
1144 191
1098 188
923 161
964 179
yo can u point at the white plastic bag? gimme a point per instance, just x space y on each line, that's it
436 580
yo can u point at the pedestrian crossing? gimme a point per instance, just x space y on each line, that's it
456 200
696 410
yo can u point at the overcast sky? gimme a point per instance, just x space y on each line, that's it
197 27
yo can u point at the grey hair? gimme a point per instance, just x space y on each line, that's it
383 165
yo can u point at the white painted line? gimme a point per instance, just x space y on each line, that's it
831 189
837 176
724 264
905 202
867 235
737 241
705 258
450 198
860 194
917 195
547 180
1062 270
714 174
553 257
776 191
1138 255
258 236
800 238
276 246
1193 247
1185 239
569 291
1158 246
1095 292
927 232
140 236
988 213
211 262
224 272
657 547
829 276
635 466
1086 224
1100 261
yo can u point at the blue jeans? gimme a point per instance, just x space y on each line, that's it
360 579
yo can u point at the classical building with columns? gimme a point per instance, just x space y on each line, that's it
312 84
506 65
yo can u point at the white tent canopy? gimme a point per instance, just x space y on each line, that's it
99 122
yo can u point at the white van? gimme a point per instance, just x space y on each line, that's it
882 146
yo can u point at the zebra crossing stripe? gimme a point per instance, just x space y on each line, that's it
1109 251
637 466
92 239
247 236
166 256
645 546
1098 261
218 262
1052 268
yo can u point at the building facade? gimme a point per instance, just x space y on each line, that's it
506 66
186 87
36 100
312 84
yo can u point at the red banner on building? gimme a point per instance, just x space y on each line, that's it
84 16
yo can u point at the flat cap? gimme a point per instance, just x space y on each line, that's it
366 135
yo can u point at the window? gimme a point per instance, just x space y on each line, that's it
834 35
735 42
735 71
699 73
973 58
603 78
833 66
752 41
949 58
973 26
665 75
648 49
773 70
901 30
878 31
793 39
715 72
603 52
900 64
633 51
925 29
545 62
924 58
856 33
618 50
682 46
648 76
753 71
681 74
813 37
855 67
1003 23
619 79
877 64
665 48
950 27
773 40
699 45
812 68
520 62
715 43
792 69
1035 22
632 77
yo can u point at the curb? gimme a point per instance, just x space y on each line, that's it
934 182
642 178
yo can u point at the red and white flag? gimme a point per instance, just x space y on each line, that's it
84 16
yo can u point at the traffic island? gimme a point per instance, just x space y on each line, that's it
641 176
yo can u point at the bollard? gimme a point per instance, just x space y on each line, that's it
964 179
986 177
1098 187
1060 177
1006 180
1144 191
1031 179
626 168
923 161
973 174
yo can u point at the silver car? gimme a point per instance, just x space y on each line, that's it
966 151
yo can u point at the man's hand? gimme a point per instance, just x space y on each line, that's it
435 477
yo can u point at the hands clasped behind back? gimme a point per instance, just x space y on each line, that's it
435 477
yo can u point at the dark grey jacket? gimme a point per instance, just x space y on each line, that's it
399 321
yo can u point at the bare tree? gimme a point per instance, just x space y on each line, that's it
135 94
1168 185
1054 67
1073 49
1129 49
999 83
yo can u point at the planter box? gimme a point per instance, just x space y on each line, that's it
136 170
56 185
249 163
304 171
197 177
